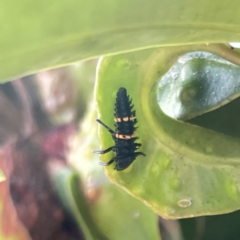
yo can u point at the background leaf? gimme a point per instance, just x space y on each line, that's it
45 34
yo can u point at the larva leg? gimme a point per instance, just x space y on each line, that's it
107 163
103 151
108 128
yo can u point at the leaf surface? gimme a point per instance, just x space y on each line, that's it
189 170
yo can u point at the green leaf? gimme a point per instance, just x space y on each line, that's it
198 83
42 34
188 171
67 183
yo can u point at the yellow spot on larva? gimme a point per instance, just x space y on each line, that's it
122 136
117 119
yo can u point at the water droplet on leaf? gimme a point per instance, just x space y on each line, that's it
186 202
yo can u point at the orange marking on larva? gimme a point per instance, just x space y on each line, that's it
125 119
117 119
122 136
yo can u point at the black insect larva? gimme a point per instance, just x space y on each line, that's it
125 146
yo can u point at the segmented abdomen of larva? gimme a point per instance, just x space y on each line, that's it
125 118
123 105
127 146
126 128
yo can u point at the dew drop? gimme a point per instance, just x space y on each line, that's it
175 183
166 162
136 214
186 202
174 75
188 94
232 188
169 210
123 63
155 169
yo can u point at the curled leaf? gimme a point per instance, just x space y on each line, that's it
189 170
198 83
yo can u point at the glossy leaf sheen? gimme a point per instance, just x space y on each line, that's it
42 34
188 170
198 83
